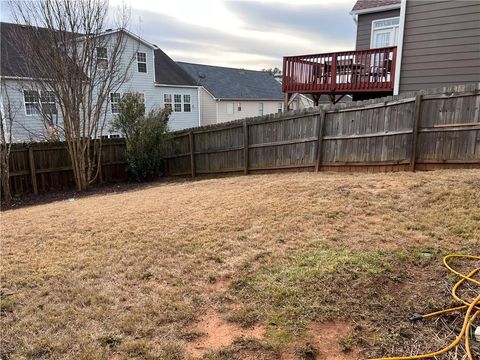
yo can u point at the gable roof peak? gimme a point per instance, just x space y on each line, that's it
364 6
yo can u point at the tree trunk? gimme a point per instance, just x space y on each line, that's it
7 196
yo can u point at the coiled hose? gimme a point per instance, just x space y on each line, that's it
472 310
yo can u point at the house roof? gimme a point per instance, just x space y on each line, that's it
168 72
235 84
363 5
13 60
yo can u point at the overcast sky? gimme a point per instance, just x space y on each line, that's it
247 34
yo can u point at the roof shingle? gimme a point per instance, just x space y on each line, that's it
168 72
235 84
370 4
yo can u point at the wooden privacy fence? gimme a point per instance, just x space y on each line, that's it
41 167
429 130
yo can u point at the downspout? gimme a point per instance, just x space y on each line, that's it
199 107
398 65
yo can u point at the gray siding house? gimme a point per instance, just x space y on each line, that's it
161 81
228 94
438 42
441 44
401 46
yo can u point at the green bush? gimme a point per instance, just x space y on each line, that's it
146 136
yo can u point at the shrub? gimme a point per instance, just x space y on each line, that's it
146 136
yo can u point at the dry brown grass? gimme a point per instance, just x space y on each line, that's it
129 275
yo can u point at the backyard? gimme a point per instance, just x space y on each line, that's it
276 266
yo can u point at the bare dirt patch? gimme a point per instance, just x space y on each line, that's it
217 333
327 339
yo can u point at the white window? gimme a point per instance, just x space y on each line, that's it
186 103
239 107
115 102
30 97
230 106
142 62
102 57
47 99
260 108
36 104
167 101
279 107
385 32
177 103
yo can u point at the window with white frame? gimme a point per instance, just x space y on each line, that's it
167 101
102 57
260 108
39 102
279 107
239 107
115 99
230 107
177 103
187 107
385 32
142 62
47 100
30 98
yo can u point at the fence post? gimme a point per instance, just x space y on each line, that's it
33 170
320 127
416 123
192 153
245 147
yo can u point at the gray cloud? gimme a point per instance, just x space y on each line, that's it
309 20
325 29
203 44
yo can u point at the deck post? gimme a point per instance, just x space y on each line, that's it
416 123
334 72
286 100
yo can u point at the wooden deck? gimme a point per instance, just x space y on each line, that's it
348 72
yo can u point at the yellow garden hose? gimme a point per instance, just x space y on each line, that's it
472 311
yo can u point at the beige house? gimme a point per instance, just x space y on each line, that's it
229 94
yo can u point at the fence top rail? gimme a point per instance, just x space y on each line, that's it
62 144
430 94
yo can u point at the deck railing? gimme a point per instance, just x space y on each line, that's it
341 72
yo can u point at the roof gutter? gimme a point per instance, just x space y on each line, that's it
174 85
239 99
375 9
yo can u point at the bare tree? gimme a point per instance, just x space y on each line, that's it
7 116
74 59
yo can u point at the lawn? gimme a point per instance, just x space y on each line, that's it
278 266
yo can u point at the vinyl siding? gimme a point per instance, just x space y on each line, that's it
179 120
208 108
31 127
364 26
441 45
249 109
25 128
154 95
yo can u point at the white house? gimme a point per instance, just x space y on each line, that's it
153 74
230 94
